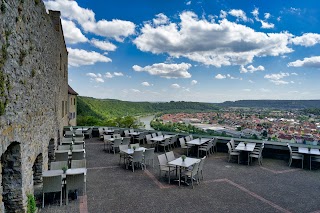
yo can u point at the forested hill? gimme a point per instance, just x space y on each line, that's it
107 108
277 104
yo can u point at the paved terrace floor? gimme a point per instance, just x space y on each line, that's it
227 187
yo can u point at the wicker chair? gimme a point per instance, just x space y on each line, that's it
78 155
78 164
57 165
75 182
62 156
149 156
52 184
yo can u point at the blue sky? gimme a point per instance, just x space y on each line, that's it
198 50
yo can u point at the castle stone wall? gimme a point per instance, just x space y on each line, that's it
33 85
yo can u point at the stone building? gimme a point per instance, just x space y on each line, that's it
33 97
72 102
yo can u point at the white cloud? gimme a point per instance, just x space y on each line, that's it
267 15
108 75
239 14
71 10
78 57
277 78
255 14
307 39
72 34
175 86
219 76
118 73
146 84
264 90
160 19
103 45
251 69
95 77
234 44
293 73
188 3
135 90
250 81
247 90
312 62
223 14
266 25
117 29
194 82
166 70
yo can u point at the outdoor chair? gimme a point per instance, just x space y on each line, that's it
187 138
137 158
58 165
68 134
52 184
66 139
64 147
67 142
165 144
170 156
148 140
137 145
200 169
154 135
88 133
78 164
164 167
191 137
116 136
116 144
126 133
314 159
183 145
148 156
232 153
140 138
106 141
79 143
256 154
101 132
295 155
233 146
159 133
192 174
214 145
75 182
131 130
78 155
122 154
62 156
77 146
206 148
78 139
126 141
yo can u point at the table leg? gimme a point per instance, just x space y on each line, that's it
180 176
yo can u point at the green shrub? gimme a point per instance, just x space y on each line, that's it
31 208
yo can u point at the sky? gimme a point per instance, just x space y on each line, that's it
192 50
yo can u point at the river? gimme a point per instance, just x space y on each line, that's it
146 121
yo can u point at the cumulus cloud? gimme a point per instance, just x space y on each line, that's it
116 29
194 82
223 14
114 74
188 3
146 84
307 39
79 57
277 78
166 70
267 15
312 62
160 19
175 86
103 45
219 76
95 77
72 34
239 14
234 44
266 25
71 10
135 90
246 90
251 69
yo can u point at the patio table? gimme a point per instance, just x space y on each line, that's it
312 151
249 147
198 142
183 164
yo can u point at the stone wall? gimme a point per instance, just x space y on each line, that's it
33 85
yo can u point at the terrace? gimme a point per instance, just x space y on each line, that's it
227 187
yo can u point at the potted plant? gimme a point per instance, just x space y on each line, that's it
64 169
309 148
183 157
134 148
71 147
245 143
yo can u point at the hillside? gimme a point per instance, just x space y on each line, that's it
277 104
107 108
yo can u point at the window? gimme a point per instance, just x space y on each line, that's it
60 61
74 100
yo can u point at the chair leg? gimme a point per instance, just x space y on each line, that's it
42 200
61 197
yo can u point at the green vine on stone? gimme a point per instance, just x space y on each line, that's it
31 207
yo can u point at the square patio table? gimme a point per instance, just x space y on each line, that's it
246 148
183 164
305 150
198 142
